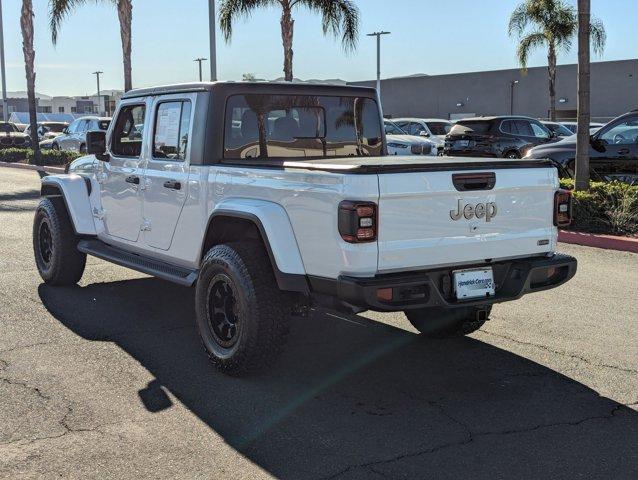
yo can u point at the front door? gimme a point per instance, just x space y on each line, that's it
166 174
618 155
121 177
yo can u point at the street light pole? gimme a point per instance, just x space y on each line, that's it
378 35
512 83
213 47
97 75
200 60
5 107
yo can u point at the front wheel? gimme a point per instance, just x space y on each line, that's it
440 322
57 258
242 316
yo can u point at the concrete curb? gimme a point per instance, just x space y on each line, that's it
25 166
609 242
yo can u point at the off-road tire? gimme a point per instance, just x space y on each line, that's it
261 311
447 322
64 263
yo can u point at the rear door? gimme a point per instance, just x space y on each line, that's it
435 218
166 174
618 159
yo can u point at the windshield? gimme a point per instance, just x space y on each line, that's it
7 128
560 130
439 128
392 128
55 127
301 126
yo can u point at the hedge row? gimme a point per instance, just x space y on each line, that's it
610 208
50 157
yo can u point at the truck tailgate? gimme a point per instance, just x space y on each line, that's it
448 217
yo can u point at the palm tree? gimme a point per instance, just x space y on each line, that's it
583 140
61 8
554 24
26 24
339 17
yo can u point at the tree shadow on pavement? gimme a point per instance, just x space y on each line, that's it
361 399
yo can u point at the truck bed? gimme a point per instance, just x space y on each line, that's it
395 164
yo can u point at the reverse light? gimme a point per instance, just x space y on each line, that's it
358 221
562 208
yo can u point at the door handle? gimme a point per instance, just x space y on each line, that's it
173 185
133 179
623 151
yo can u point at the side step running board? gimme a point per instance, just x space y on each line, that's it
150 266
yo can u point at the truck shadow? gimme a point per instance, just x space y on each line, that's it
361 399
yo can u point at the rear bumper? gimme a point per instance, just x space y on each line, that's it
434 288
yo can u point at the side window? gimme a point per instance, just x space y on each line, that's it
507 126
172 127
524 128
539 132
623 133
126 140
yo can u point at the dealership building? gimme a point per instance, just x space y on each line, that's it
614 90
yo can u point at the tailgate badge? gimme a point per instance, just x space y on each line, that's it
480 210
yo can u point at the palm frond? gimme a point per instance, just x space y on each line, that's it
232 10
598 36
527 44
339 17
60 9
519 19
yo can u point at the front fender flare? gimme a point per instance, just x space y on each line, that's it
74 190
276 230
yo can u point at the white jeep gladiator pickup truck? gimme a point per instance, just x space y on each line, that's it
270 198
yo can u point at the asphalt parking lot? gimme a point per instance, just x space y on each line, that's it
108 380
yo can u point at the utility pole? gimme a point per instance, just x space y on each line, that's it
200 60
378 35
213 47
5 107
97 75
512 83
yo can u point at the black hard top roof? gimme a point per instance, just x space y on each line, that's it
273 88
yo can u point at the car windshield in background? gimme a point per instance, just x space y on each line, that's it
473 126
103 124
301 126
55 127
439 128
560 130
392 128
7 128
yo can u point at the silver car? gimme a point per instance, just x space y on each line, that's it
73 137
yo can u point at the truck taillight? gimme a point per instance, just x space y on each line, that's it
358 221
562 208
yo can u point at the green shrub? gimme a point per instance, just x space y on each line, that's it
13 155
54 157
606 208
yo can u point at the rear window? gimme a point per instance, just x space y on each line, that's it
301 126
472 126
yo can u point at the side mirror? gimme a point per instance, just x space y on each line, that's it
425 134
597 144
96 145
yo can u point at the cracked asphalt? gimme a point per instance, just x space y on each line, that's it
107 380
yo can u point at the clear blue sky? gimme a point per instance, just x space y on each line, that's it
428 36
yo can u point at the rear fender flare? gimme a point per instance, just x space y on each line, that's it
277 234
75 191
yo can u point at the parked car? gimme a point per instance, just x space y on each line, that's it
613 151
558 129
573 126
400 143
265 222
504 137
73 137
434 129
12 137
48 130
